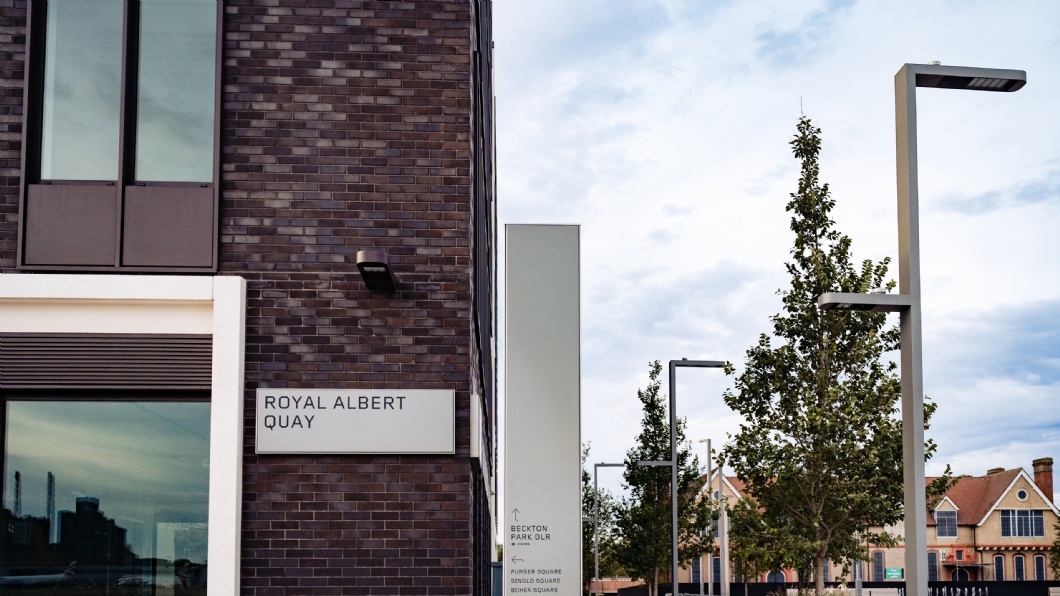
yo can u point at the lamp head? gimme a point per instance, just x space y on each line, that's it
940 76
375 270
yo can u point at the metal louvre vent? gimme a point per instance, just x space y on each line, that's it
105 361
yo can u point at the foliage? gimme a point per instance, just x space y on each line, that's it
820 450
608 505
1054 552
644 517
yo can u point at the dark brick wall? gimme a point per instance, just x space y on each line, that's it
12 64
345 125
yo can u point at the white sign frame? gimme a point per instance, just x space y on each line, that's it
358 421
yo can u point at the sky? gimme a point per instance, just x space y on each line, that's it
661 127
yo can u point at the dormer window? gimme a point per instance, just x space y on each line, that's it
946 524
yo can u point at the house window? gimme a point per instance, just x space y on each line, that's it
696 564
958 555
715 569
827 570
776 577
121 139
877 566
119 487
946 524
1017 568
1039 567
933 567
1022 523
999 568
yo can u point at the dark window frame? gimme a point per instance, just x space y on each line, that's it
944 521
45 239
1022 523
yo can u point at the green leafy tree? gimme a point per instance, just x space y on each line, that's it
609 567
1054 552
820 449
644 516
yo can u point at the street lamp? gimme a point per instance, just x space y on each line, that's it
907 302
684 362
596 521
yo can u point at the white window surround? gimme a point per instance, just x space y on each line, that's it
160 304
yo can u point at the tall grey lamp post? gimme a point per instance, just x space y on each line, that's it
684 362
907 301
596 521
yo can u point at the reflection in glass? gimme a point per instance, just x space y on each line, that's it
105 497
82 90
175 108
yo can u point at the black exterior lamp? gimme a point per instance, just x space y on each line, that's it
375 270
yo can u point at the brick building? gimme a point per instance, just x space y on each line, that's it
185 186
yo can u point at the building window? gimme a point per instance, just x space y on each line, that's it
121 139
696 564
958 555
1039 567
1021 494
877 566
999 568
1017 568
1022 523
933 567
827 570
946 524
119 487
715 570
776 577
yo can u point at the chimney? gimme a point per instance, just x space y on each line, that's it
994 471
1043 475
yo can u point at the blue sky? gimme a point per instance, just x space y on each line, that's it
662 128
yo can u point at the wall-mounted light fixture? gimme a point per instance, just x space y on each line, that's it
375 270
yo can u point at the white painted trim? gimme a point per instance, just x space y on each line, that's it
946 499
105 287
57 296
226 435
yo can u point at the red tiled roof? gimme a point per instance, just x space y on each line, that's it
975 495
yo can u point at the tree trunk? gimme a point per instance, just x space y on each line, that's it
818 575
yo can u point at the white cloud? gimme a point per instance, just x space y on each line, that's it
662 127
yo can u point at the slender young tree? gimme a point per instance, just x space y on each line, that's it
820 449
645 515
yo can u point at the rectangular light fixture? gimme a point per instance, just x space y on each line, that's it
873 302
375 270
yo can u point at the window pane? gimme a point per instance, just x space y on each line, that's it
82 90
933 567
946 524
1039 567
175 105
1006 522
1038 519
1017 566
119 487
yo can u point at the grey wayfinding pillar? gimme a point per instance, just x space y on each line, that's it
907 302
542 518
